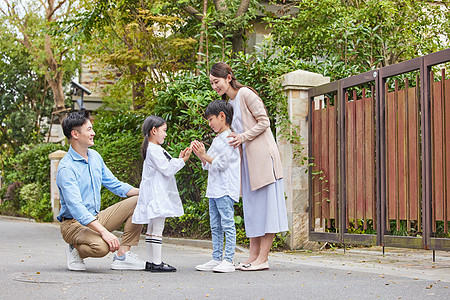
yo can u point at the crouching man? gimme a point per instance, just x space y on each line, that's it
86 229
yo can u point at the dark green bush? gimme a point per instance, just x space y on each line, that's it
118 139
27 178
31 165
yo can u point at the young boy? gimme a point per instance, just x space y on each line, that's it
223 164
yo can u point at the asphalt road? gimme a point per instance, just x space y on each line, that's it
33 266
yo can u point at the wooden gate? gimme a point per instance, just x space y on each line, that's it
380 157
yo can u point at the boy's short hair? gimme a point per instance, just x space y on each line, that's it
74 120
217 106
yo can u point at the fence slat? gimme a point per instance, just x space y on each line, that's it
413 158
402 156
333 153
316 148
444 151
351 174
359 120
325 168
369 157
391 155
437 153
447 141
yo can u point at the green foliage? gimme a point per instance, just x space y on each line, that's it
355 37
440 230
10 198
36 204
25 98
35 29
137 41
27 178
194 223
31 165
118 139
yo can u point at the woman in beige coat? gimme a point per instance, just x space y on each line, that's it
261 173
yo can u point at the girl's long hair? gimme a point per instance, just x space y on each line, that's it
149 123
222 70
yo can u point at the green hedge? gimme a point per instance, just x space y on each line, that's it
27 182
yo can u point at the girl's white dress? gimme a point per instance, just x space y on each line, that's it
158 193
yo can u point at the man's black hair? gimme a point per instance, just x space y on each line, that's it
74 120
216 106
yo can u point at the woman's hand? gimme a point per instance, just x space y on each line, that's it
236 139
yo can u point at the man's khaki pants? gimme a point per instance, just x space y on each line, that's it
89 243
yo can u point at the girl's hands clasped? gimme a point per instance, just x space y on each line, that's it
185 154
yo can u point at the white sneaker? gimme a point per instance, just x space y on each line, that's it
129 262
74 261
209 266
224 267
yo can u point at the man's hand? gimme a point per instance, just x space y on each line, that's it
111 240
107 236
133 192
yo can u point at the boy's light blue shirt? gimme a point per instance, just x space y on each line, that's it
79 183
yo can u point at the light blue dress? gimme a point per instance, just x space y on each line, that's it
264 208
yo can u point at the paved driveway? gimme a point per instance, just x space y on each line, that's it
33 266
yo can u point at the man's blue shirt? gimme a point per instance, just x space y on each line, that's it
79 183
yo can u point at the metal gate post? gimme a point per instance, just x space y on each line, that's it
426 153
380 163
342 163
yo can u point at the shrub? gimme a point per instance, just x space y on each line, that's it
118 140
36 204
32 165
27 176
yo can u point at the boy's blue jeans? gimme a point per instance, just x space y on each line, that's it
221 216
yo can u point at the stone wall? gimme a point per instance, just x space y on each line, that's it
296 186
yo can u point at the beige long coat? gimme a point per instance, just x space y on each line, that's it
263 157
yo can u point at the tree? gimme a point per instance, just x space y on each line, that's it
35 27
365 34
25 98
138 40
230 17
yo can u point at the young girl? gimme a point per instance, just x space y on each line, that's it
261 170
158 193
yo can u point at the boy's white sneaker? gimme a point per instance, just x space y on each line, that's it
224 267
209 266
129 262
74 261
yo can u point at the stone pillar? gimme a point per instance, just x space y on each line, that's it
295 177
55 157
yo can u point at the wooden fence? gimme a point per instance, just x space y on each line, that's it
379 177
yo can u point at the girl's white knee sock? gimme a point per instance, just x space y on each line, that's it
153 240
154 249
